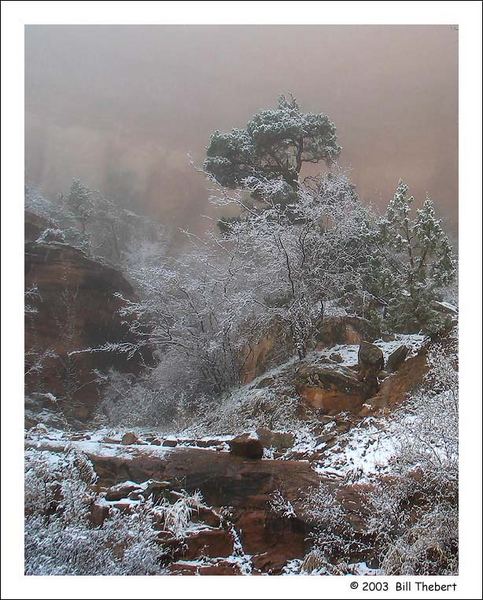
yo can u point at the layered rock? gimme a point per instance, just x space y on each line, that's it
330 389
270 350
73 306
395 388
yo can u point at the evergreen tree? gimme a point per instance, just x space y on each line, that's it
414 261
274 145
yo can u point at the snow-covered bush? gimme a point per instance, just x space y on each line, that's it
177 516
59 538
407 521
414 515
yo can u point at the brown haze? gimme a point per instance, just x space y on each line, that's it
122 106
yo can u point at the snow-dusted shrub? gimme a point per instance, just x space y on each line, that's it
282 506
407 522
414 515
60 540
124 545
334 536
416 528
177 517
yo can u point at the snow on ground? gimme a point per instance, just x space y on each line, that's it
360 453
348 352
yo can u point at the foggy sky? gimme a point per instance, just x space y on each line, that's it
122 106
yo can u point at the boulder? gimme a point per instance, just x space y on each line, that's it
170 443
396 358
280 440
330 390
156 489
272 348
246 446
371 361
98 513
130 438
207 515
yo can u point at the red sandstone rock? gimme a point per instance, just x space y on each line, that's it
246 446
330 390
75 309
129 439
208 542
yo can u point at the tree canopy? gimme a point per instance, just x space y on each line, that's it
274 145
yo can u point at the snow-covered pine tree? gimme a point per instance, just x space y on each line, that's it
273 146
413 263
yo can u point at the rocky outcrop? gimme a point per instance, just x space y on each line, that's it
275 345
270 350
330 389
344 330
72 305
395 388
249 527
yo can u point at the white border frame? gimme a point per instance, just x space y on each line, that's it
14 16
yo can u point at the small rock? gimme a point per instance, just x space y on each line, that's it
130 438
80 436
336 357
207 515
122 490
397 358
246 446
108 440
170 443
388 337
98 513
156 489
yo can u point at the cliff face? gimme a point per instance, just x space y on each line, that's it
71 306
